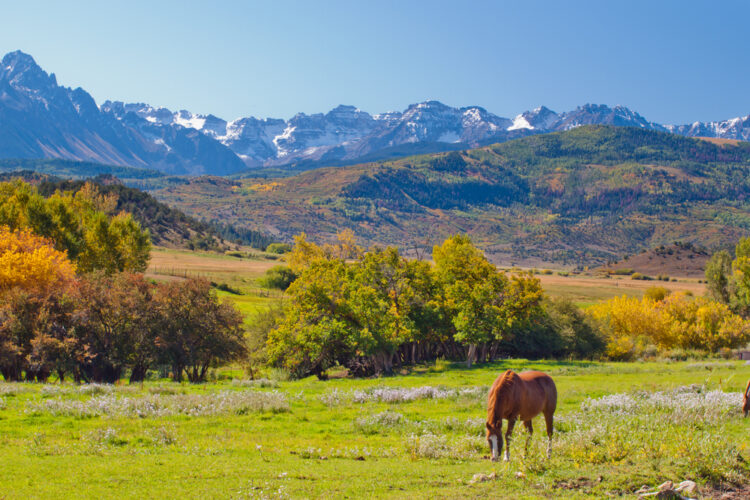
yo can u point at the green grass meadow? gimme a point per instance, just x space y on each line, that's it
417 435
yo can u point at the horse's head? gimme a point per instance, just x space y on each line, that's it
746 400
495 439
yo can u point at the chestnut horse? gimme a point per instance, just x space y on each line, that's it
746 399
515 396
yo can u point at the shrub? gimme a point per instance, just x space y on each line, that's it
224 287
373 424
657 293
623 272
278 277
560 329
639 276
279 248
675 321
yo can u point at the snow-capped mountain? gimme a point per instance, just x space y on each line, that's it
734 128
39 119
543 119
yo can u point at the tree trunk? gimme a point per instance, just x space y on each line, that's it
138 374
177 373
484 352
387 362
493 350
470 355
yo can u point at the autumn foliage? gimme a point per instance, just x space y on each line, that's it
70 303
676 321
84 225
30 262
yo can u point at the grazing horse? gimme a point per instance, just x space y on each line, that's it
746 399
515 396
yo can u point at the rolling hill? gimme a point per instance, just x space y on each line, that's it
169 227
676 260
579 197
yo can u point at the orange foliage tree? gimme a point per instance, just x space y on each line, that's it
31 262
34 312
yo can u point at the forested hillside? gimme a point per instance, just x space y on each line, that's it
167 226
578 197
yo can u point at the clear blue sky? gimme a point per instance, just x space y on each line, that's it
672 61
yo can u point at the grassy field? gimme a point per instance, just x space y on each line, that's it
240 274
587 290
619 426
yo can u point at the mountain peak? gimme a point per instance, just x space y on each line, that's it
18 58
21 69
430 104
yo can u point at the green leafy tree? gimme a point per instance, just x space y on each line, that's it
279 248
382 299
82 224
320 328
484 302
718 275
740 282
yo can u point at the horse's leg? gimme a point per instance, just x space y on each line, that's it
496 441
511 424
548 418
530 429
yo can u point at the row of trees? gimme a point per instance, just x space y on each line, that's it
97 326
371 310
73 301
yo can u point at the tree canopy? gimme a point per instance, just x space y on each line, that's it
83 224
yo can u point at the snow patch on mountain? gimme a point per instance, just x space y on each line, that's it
520 122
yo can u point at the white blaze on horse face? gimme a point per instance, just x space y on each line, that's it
493 441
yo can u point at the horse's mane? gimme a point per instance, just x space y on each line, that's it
502 388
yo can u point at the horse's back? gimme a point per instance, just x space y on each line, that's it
546 386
